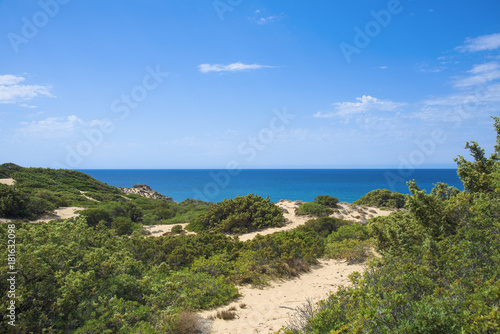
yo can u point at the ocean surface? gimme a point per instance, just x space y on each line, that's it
347 185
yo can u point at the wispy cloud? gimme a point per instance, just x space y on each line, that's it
489 93
235 67
50 128
9 79
481 43
263 20
363 104
267 20
480 75
12 92
55 127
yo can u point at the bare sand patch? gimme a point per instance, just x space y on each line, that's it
158 230
8 182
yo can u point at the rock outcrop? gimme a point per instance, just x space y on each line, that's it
144 191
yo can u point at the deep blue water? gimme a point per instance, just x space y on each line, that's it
347 185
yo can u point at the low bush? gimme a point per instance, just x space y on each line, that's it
326 200
192 291
352 232
313 209
351 250
177 229
323 226
382 198
239 215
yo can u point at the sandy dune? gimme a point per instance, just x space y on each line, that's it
268 309
8 182
347 211
158 230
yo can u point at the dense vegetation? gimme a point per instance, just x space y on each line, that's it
78 278
239 215
440 265
382 198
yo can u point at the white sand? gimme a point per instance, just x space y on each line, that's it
8 182
158 230
270 308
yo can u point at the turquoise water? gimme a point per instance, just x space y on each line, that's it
347 185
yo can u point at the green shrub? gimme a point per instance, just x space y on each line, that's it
186 290
15 204
323 226
122 225
95 215
351 250
217 265
313 209
240 215
326 200
382 198
352 231
177 229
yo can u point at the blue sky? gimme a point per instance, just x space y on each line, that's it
253 84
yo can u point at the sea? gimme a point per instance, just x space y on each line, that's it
215 185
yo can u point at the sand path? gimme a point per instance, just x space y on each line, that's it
268 309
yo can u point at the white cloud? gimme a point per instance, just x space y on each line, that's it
267 20
383 67
481 43
363 104
235 67
480 75
11 92
9 79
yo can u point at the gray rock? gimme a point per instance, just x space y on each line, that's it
144 191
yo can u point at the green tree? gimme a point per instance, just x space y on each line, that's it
477 175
